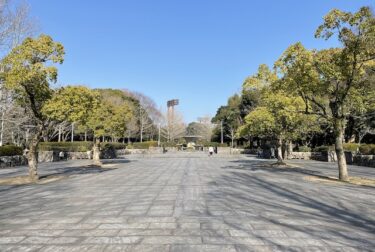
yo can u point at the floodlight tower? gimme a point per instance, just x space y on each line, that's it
170 105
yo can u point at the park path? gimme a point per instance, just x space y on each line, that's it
187 203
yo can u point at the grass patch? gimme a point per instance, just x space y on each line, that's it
352 180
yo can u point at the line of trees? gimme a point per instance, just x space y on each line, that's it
312 93
34 109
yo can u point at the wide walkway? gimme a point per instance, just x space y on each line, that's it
187 203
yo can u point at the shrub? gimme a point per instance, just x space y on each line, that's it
115 146
144 145
10 150
303 149
323 148
65 146
367 149
351 147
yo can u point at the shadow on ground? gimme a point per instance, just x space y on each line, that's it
333 215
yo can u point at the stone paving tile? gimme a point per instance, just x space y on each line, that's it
11 239
74 248
20 248
36 240
188 203
138 248
112 240
172 240
147 232
202 248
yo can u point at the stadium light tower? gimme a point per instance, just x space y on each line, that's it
170 105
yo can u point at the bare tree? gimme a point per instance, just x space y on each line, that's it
207 127
15 26
147 113
171 130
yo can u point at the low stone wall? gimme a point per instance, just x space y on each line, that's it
53 156
308 155
47 156
9 161
364 160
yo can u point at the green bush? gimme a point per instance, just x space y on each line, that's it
65 146
10 150
143 145
303 149
324 148
367 149
351 147
115 146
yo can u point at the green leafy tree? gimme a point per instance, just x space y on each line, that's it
73 104
278 118
230 117
100 123
330 80
28 72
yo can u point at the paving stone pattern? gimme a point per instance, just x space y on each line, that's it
188 203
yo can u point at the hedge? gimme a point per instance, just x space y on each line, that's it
143 145
114 145
65 146
303 149
367 149
351 147
10 150
324 148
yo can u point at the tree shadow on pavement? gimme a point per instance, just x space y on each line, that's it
333 215
268 166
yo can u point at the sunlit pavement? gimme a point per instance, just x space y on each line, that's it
188 202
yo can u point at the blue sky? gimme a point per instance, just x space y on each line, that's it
198 51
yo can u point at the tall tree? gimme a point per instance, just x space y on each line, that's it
147 113
28 72
329 80
15 25
73 104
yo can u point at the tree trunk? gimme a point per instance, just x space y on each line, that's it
96 152
339 139
280 159
85 135
59 138
32 157
2 128
289 149
72 140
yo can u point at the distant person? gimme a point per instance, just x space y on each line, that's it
210 150
272 152
215 149
259 152
61 155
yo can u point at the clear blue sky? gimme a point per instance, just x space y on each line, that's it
194 50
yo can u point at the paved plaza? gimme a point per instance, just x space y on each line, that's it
187 202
